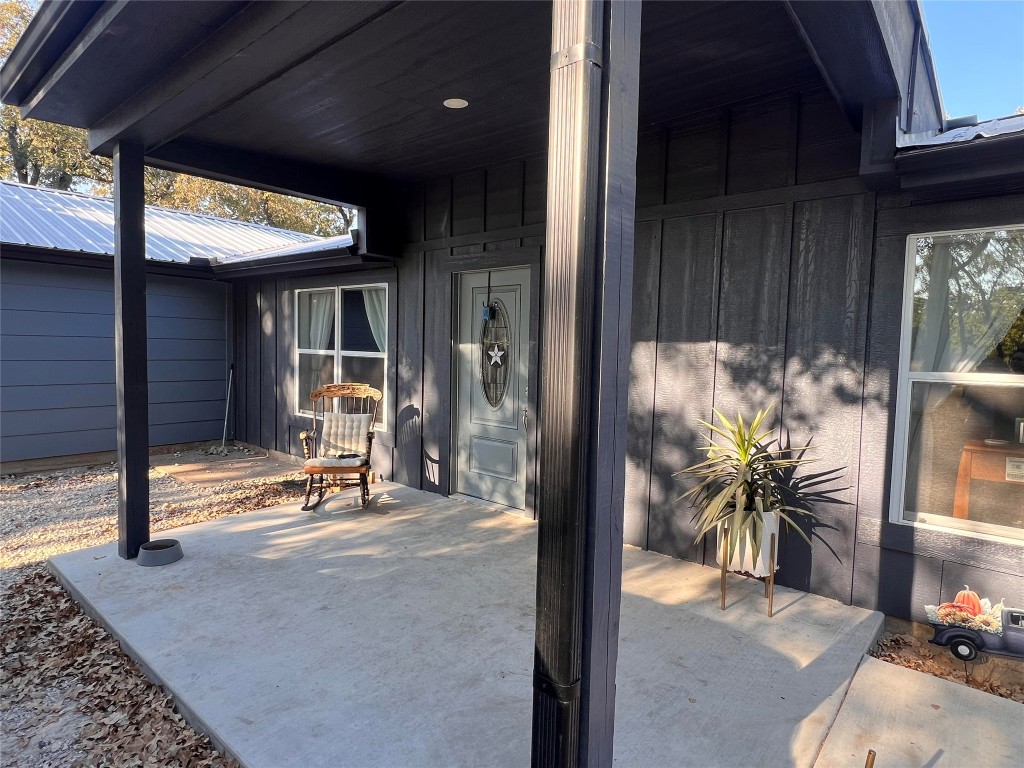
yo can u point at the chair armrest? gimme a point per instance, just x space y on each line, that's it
369 443
308 444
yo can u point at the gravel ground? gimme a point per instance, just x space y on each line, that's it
68 695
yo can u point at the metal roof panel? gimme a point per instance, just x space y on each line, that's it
76 222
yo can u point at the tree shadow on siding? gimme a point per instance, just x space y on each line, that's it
818 400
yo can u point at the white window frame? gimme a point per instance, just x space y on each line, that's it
338 352
905 382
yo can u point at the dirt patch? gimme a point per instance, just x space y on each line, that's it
69 696
910 648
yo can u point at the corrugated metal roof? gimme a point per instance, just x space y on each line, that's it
1001 126
325 244
72 221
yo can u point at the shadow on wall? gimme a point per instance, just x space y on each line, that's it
816 402
823 493
411 460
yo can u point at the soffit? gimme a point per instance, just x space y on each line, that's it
358 87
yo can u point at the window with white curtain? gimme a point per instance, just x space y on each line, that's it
959 452
342 336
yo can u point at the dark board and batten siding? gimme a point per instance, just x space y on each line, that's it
754 251
758 253
265 391
759 278
486 219
56 343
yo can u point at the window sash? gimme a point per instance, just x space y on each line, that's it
338 352
904 387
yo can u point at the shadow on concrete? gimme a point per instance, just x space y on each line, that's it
353 637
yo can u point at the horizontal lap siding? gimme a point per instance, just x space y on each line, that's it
57 393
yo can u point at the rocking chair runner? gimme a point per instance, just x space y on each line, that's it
338 453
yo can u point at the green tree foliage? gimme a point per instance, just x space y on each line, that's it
51 155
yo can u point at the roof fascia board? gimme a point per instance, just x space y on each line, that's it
926 49
196 268
273 174
1007 150
314 182
333 261
98 25
983 166
900 24
848 47
974 180
50 32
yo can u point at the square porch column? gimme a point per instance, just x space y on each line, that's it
130 353
584 376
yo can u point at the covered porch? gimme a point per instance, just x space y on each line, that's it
722 131
402 635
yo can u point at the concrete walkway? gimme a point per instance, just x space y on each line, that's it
914 720
403 636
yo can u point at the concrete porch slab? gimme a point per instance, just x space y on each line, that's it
402 635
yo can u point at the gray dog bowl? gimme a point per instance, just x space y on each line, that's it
160 552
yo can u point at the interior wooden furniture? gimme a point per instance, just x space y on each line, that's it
981 461
337 448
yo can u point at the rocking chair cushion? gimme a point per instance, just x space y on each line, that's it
344 433
335 463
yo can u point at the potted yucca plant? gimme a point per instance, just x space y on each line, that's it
742 493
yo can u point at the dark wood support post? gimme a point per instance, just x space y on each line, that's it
130 350
585 373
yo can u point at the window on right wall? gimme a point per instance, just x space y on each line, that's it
959 447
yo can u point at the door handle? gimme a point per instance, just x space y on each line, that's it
525 417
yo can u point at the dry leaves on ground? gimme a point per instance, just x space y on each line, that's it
69 696
49 643
913 653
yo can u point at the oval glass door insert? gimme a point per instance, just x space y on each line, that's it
495 346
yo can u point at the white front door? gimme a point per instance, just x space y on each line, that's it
491 415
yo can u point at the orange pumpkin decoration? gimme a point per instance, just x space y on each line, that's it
969 600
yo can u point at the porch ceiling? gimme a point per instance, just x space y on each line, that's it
357 87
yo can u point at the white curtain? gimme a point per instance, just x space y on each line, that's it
981 323
321 319
376 302
958 328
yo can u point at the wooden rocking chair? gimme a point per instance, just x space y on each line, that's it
337 448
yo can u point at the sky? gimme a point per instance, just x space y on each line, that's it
978 49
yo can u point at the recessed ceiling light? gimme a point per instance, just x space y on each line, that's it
456 103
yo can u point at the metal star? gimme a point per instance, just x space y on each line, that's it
495 355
